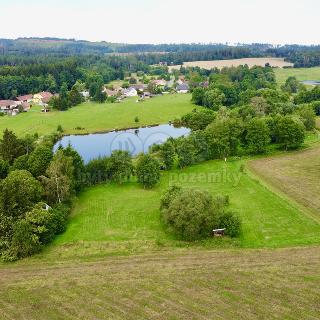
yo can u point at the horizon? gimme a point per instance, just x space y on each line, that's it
49 38
168 22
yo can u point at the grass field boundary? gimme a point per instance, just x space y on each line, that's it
275 190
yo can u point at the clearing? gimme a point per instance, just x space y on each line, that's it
95 117
116 220
274 62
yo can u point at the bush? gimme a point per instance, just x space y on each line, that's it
186 152
4 168
198 120
257 136
289 132
307 116
41 221
167 154
39 160
192 214
148 171
21 163
24 242
60 215
121 167
189 213
19 192
231 223
98 171
60 129
316 107
168 197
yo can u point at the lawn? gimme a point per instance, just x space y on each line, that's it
300 73
116 220
93 117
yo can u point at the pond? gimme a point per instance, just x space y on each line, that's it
311 82
135 141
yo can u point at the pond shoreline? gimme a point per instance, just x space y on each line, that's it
85 133
134 140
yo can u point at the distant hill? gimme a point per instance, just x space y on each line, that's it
72 46
301 56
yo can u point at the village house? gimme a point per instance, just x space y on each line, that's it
183 88
160 83
7 105
42 98
169 84
139 87
130 92
26 98
12 107
111 93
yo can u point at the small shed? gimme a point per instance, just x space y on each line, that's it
218 232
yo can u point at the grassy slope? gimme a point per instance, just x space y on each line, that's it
246 284
100 117
300 73
295 174
113 220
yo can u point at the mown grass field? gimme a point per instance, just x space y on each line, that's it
251 62
295 174
94 117
232 284
300 73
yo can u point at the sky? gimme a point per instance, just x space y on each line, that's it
164 21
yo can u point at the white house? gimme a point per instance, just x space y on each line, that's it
130 92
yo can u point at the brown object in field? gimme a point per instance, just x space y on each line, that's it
218 232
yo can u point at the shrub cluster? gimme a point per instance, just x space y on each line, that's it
192 214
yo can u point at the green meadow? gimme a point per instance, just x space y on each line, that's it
92 117
114 220
282 74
